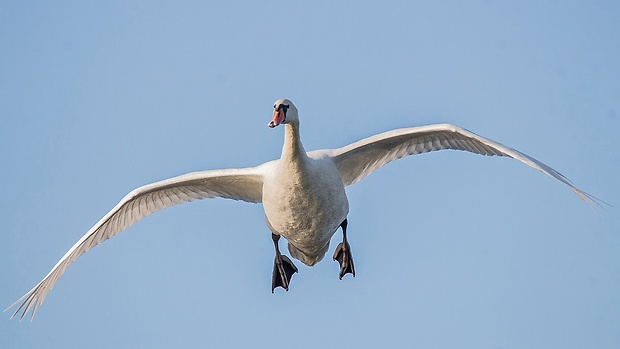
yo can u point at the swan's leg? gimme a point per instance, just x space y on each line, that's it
343 254
283 268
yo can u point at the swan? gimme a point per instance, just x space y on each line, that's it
303 193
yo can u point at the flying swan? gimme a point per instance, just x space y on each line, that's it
303 194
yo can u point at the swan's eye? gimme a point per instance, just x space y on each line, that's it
285 106
274 106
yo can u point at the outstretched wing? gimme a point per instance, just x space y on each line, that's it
356 161
239 184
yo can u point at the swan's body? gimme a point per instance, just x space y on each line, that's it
303 194
306 206
304 200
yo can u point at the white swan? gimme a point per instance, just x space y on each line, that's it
303 194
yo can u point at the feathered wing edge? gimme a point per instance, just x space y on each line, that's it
238 184
359 159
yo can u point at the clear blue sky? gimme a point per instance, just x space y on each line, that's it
451 249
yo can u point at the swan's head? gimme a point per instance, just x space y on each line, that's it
284 112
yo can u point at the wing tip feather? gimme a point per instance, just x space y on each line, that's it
591 200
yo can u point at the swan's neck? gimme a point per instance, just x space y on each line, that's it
293 151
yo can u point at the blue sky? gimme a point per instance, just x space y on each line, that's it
451 249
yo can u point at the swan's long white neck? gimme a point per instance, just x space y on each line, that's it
293 151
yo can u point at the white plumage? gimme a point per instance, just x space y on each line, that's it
302 193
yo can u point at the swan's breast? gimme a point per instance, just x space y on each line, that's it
305 204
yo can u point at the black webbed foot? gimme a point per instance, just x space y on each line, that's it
283 270
344 257
343 254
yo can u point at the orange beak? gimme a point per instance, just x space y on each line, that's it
278 117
